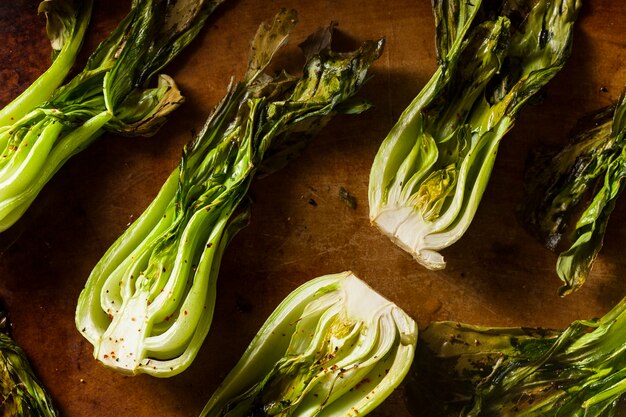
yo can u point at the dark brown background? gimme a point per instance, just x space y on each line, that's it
496 275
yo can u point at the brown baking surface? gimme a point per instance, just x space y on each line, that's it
496 275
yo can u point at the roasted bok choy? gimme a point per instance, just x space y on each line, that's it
21 393
67 21
110 94
148 304
580 371
577 188
333 347
432 169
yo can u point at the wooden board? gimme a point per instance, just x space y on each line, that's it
496 275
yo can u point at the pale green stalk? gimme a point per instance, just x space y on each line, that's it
67 21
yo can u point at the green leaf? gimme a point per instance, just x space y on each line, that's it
572 193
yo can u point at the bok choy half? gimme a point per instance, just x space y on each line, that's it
110 94
333 347
571 194
21 392
148 304
431 171
580 371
